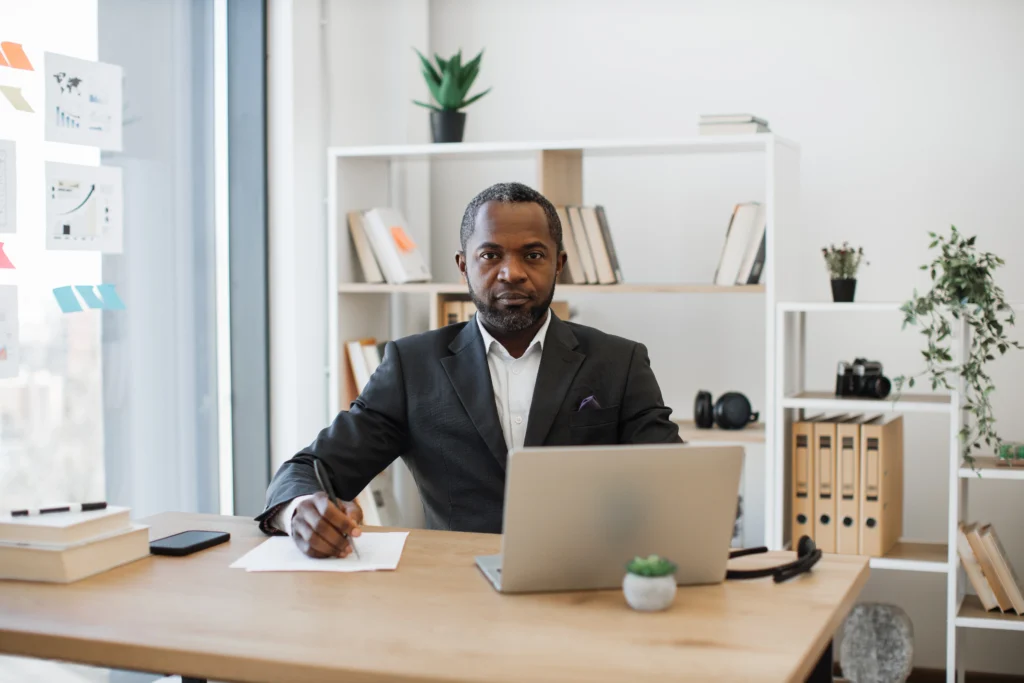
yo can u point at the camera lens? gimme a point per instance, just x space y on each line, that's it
877 387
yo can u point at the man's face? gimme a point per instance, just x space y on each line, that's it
511 264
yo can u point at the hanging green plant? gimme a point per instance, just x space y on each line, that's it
963 289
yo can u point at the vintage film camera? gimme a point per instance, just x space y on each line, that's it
862 378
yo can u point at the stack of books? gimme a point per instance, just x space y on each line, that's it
590 253
384 248
989 570
743 254
66 544
731 124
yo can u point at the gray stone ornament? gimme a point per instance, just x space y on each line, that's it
877 644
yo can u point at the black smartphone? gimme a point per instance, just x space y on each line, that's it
187 542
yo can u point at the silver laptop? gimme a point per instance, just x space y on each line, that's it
575 516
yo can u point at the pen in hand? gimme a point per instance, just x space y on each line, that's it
325 484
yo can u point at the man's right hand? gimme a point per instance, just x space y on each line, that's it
320 528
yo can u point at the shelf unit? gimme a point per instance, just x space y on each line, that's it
361 177
963 610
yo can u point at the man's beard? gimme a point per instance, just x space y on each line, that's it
510 319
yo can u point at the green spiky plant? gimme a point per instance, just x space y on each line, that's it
450 82
963 289
652 565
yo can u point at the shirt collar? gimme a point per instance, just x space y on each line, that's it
538 338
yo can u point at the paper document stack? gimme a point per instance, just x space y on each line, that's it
67 546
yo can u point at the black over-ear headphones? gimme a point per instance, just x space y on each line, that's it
807 556
731 410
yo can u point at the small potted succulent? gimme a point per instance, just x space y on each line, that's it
650 583
449 84
842 264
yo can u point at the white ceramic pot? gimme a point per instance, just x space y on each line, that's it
649 593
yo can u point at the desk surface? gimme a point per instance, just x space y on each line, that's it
434 619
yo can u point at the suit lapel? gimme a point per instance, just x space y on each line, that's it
467 370
558 367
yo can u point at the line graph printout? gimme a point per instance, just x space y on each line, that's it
84 208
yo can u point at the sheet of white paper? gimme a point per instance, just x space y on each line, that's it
84 208
9 352
8 187
83 102
381 550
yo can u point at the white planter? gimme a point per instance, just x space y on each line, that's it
649 593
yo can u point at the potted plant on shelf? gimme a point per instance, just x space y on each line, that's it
650 583
842 264
449 83
963 291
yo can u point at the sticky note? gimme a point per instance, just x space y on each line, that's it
15 97
403 241
4 261
88 296
66 299
16 56
111 301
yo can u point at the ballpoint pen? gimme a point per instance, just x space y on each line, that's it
325 484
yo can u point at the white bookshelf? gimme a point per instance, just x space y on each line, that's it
963 610
360 177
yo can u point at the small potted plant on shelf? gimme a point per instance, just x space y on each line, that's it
963 291
449 84
650 583
842 264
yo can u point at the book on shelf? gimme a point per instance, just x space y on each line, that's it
731 124
364 252
64 547
363 355
590 251
388 253
988 568
743 252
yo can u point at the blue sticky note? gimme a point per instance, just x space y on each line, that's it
111 301
66 299
90 299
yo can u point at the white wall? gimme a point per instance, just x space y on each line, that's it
907 120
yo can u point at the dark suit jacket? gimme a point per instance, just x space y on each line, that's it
430 402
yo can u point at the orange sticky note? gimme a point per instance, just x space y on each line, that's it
403 241
4 261
16 56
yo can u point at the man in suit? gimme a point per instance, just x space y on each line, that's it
453 402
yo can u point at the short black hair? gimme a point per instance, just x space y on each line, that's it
510 193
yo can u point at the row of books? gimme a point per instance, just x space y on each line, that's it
387 253
731 124
363 355
847 482
384 248
989 570
62 547
743 253
590 252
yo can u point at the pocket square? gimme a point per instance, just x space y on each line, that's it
590 402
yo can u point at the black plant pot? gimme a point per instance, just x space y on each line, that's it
842 290
447 125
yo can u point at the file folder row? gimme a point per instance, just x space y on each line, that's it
847 482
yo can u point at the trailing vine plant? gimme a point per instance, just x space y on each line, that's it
963 289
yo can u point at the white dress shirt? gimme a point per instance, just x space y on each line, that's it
512 380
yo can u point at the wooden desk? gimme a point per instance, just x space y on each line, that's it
434 619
